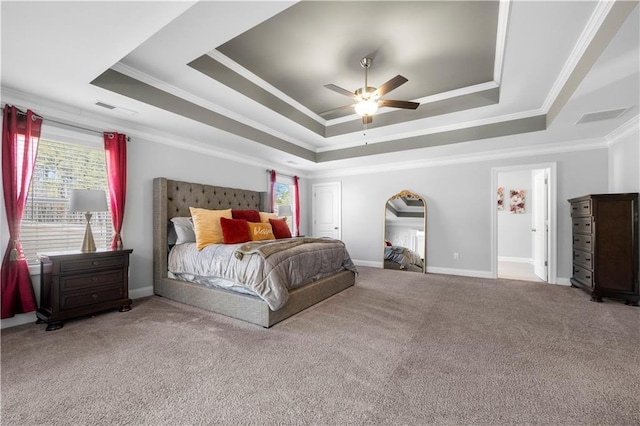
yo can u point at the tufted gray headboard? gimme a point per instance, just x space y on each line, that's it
173 198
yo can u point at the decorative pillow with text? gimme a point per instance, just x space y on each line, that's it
260 231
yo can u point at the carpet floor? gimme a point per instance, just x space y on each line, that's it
397 348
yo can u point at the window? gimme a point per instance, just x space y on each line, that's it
47 224
284 199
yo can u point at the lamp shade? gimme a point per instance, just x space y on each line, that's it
87 200
285 210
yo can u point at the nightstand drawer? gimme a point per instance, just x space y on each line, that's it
68 266
581 208
104 294
583 241
583 275
100 279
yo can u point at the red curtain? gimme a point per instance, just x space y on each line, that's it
115 151
296 202
20 137
272 190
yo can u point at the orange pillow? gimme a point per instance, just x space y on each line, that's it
280 228
264 216
260 231
206 224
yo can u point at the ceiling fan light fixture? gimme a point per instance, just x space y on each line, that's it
367 107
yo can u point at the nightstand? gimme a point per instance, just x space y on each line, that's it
76 283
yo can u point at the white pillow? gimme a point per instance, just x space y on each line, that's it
183 227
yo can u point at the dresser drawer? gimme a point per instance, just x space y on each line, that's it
583 275
583 241
70 266
583 258
99 279
104 294
581 208
582 225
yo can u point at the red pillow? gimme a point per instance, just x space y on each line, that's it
248 215
234 230
280 228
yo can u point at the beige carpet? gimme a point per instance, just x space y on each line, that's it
398 348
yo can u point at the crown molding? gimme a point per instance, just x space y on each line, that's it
499 154
92 122
626 129
183 94
239 69
598 16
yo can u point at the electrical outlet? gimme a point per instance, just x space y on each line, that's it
455 256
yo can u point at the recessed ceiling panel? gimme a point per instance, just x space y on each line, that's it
438 46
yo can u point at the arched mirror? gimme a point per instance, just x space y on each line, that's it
405 225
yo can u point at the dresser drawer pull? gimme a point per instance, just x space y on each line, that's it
95 263
95 296
575 240
94 279
588 277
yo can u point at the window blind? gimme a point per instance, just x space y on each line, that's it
47 224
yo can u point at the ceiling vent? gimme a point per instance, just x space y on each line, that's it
115 108
103 105
602 115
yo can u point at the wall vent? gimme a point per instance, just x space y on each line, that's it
602 115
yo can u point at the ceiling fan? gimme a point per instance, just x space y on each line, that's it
367 99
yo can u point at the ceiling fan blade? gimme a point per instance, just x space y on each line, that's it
340 90
394 83
367 119
335 110
398 104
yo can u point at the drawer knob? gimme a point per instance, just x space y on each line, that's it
95 263
94 296
94 279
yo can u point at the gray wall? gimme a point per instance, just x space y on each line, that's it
514 230
624 163
459 207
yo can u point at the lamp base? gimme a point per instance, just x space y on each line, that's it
88 243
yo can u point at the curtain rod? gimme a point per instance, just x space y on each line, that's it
281 174
66 124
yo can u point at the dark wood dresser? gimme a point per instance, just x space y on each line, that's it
605 246
75 283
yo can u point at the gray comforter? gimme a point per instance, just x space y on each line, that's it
268 269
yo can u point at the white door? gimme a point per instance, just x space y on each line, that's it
540 223
326 209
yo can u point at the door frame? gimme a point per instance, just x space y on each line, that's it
552 273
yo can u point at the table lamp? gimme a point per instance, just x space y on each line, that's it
87 201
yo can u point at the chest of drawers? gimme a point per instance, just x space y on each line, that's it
75 283
605 246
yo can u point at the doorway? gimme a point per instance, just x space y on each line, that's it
524 222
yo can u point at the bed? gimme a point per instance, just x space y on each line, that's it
173 199
402 258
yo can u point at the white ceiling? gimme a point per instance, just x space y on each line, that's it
53 51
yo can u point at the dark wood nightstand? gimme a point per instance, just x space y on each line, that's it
75 283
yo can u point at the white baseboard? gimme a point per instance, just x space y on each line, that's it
515 259
137 293
563 281
459 272
19 319
370 263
